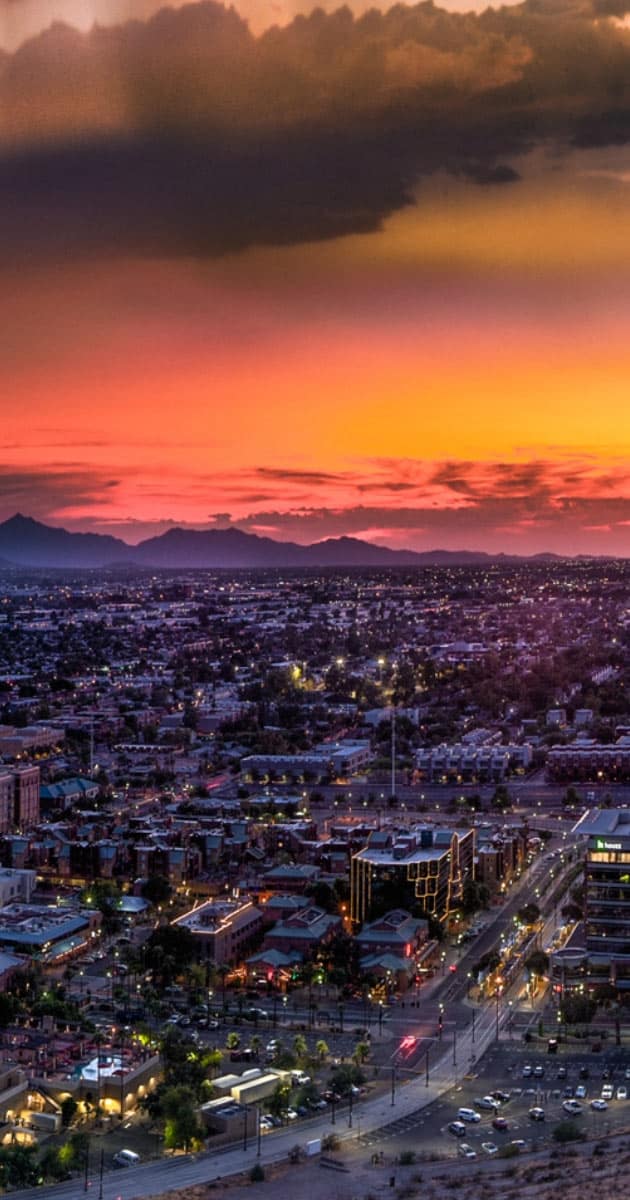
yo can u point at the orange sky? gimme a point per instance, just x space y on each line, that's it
458 378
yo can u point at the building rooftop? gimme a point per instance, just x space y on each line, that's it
604 822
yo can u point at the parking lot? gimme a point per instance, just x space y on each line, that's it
510 1068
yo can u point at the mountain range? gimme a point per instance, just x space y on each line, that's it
25 542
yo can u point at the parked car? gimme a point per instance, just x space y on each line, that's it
580 1091
536 1113
622 1092
501 1124
468 1114
608 1091
573 1107
487 1102
457 1128
466 1151
599 1105
489 1148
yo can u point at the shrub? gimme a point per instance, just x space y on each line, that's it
407 1158
257 1173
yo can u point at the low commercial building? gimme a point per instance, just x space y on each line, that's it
225 930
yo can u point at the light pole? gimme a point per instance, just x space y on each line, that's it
441 1021
393 1085
510 1013
443 960
497 996
473 1026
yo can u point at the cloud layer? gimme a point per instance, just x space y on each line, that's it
187 135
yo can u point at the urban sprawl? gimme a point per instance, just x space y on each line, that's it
287 855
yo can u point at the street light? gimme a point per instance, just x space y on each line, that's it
441 1021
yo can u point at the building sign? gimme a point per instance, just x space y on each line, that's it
602 844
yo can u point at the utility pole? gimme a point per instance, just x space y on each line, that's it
393 1085
393 753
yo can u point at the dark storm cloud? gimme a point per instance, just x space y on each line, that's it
187 135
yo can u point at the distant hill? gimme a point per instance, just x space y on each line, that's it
25 542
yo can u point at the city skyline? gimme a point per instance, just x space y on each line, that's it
359 275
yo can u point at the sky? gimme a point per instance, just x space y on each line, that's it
315 273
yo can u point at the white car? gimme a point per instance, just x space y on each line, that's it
487 1102
537 1114
608 1091
527 1071
489 1148
468 1114
300 1078
573 1107
466 1151
622 1092
599 1105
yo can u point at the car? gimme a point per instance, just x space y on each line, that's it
562 1072
272 1046
527 1071
266 1124
291 1114
256 1014
502 1097
487 1102
573 1107
580 1092
489 1148
300 1078
466 1151
568 1092
608 1091
622 1092
536 1113
457 1128
501 1124
606 1073
599 1105
317 1105
584 1072
468 1114
126 1158
627 1072
519 1144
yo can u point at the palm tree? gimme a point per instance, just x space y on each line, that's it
300 1046
255 1043
233 1040
361 1052
321 1049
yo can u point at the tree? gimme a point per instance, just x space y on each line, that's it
321 1049
68 1110
344 1077
300 1046
537 963
279 1099
577 1009
361 1052
157 889
529 914
474 895
182 1126
233 1040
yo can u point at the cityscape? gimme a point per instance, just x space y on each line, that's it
311 865
314 599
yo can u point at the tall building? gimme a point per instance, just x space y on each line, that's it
19 799
423 866
607 896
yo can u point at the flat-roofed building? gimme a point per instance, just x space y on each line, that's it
424 865
225 930
607 896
